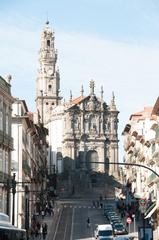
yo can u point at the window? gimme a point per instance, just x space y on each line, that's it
4 117
1 160
7 124
1 115
4 161
49 87
7 160
1 120
48 43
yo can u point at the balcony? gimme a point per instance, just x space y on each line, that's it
6 140
155 154
141 157
151 161
151 179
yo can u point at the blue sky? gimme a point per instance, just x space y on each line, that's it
114 42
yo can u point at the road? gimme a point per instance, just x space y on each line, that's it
72 224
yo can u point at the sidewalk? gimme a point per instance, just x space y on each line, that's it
51 222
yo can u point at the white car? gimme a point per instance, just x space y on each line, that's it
104 232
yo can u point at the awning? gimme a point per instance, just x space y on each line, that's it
139 194
152 211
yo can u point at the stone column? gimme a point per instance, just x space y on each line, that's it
101 158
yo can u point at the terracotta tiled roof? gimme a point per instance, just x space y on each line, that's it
143 114
77 100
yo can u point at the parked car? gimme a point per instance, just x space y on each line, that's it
124 237
104 232
119 228
115 220
111 214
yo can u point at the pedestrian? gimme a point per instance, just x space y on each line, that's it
37 230
100 198
44 230
42 214
88 222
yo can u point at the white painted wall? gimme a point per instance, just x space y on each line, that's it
55 138
16 158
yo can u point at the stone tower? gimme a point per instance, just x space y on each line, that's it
113 145
48 80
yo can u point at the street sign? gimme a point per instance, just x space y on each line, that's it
142 201
128 220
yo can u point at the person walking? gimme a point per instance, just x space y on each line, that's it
44 230
42 214
88 222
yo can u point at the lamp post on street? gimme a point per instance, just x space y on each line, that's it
27 210
8 195
134 220
13 195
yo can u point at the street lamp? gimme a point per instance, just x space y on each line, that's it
13 194
134 220
27 211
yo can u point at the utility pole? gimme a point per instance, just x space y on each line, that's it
144 226
27 210
8 195
13 195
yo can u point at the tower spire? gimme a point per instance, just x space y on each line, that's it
70 96
102 91
48 78
92 85
112 104
82 90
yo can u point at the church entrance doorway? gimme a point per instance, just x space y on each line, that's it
92 156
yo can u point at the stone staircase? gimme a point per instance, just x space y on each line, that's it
83 184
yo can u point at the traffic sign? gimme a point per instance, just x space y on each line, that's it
128 220
142 201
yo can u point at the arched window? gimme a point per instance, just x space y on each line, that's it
48 43
49 87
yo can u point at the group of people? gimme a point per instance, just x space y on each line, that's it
38 230
98 203
39 227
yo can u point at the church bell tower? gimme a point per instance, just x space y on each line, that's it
48 80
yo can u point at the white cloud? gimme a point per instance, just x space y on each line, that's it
131 71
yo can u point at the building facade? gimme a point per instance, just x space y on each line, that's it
6 142
82 131
29 162
141 146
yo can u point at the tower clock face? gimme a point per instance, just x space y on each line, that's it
50 71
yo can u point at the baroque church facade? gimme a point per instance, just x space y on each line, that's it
83 132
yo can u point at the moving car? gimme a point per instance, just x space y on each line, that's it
104 232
